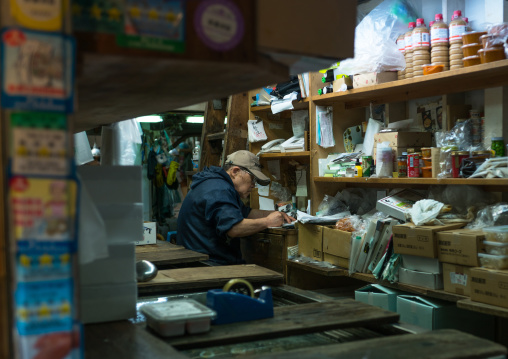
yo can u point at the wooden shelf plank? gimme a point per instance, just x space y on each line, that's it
489 183
339 272
285 154
290 320
298 105
466 79
216 136
483 308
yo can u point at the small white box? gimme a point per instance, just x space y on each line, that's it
149 234
420 279
399 204
422 264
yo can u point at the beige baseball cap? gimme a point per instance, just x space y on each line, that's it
249 162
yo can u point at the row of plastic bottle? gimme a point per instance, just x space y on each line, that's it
439 45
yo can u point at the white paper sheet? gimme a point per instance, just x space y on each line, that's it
301 183
263 190
285 104
274 168
266 204
324 126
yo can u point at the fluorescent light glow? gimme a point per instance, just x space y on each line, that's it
152 118
195 119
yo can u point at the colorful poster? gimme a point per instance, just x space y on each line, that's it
37 71
106 16
154 25
39 15
39 143
43 212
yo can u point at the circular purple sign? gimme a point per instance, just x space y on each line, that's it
219 24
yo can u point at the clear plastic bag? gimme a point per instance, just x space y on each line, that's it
353 224
282 193
330 205
376 36
494 215
359 200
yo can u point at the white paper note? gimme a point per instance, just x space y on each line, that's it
301 183
266 203
263 190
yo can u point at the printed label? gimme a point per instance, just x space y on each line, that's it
439 36
37 71
401 44
408 40
219 24
421 39
456 31
39 15
458 278
105 16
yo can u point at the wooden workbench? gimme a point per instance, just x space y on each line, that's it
164 253
132 340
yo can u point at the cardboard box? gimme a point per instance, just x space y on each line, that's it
422 264
344 80
310 241
401 141
460 246
379 296
336 246
489 286
149 234
399 204
418 240
421 279
434 314
373 78
457 279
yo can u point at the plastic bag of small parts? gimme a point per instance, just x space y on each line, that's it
499 35
376 36
495 215
350 224
282 193
329 206
360 201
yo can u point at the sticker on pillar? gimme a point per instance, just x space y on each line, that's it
39 15
37 71
43 212
105 16
219 24
39 143
154 25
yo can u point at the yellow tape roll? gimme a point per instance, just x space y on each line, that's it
239 286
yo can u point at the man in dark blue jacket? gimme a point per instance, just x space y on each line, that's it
213 216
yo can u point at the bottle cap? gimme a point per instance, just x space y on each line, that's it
438 17
420 22
320 91
497 138
457 14
357 162
431 23
411 25
466 20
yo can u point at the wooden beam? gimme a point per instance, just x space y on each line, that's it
238 115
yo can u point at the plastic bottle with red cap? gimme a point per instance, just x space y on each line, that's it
408 39
439 54
421 47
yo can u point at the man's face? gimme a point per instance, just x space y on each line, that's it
244 182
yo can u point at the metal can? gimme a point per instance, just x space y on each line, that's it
402 166
457 157
367 162
413 165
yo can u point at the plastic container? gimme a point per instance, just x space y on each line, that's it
408 37
496 234
427 161
426 152
498 146
401 43
427 171
457 27
490 40
432 69
402 166
457 157
439 32
493 261
491 54
176 317
496 248
471 60
471 49
472 37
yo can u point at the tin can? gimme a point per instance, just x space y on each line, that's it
457 157
402 166
367 162
413 165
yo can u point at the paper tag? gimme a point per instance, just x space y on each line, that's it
256 131
458 278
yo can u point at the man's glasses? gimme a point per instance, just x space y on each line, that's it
252 178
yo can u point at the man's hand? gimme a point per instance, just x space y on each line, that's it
277 219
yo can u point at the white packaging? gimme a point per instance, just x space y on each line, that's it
149 234
399 204
175 317
493 261
496 234
384 160
497 248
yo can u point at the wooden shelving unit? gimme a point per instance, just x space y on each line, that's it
298 105
285 155
492 184
466 79
483 308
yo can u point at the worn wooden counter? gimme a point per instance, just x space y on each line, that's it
164 253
